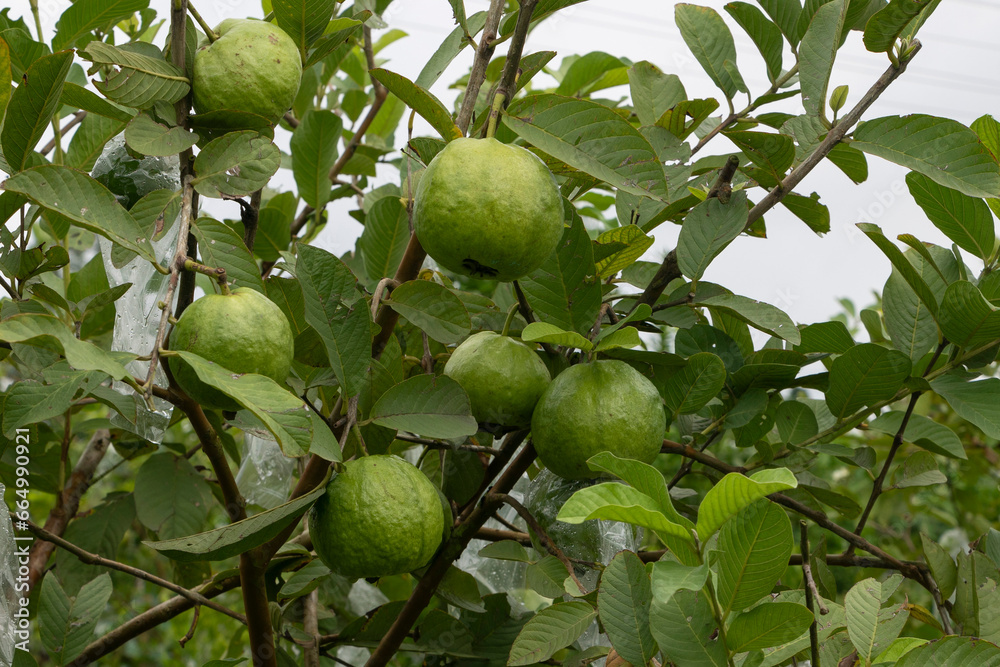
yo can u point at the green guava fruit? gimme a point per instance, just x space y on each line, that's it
604 406
488 210
130 178
380 516
243 332
503 378
253 66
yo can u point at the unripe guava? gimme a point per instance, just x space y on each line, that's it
604 406
253 66
380 516
503 378
243 332
130 178
488 210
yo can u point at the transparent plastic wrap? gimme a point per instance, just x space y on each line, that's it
265 473
137 319
592 541
9 597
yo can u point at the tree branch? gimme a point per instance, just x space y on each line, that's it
93 559
451 550
478 74
669 271
810 589
67 503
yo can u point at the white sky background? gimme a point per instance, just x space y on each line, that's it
956 75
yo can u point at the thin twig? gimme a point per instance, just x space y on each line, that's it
543 536
89 558
810 589
189 635
484 51
211 34
669 269
73 122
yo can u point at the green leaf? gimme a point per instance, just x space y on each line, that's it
965 220
384 239
899 262
565 291
85 16
919 469
953 652
766 625
757 314
708 228
505 550
451 46
687 116
851 161
426 105
921 431
235 164
623 338
29 402
140 80
817 52
753 550
220 245
897 649
690 388
644 478
587 70
435 407
796 422
236 538
314 152
459 588
328 286
5 73
618 502
888 24
304 21
709 39
541 332
144 135
635 243
549 630
433 308
89 140
304 581
580 133
871 628
670 576
772 152
67 625
977 402
941 565
944 150
685 629
785 14
31 107
864 375
653 92
81 355
282 412
171 498
623 601
765 34
736 491
84 201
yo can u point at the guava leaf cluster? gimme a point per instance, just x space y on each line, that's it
253 66
380 516
488 210
244 332
130 178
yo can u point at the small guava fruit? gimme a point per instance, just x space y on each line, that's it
131 178
380 516
253 66
488 210
503 377
243 332
603 406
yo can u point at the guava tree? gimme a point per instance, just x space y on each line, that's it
164 485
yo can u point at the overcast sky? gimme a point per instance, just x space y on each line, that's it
956 75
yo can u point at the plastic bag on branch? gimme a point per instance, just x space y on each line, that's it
137 319
265 473
10 603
